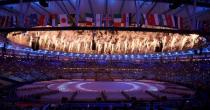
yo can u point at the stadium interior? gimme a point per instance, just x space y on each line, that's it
104 54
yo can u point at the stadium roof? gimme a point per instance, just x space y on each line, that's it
185 8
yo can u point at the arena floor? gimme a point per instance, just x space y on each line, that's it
87 90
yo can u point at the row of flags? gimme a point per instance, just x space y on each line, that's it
162 20
8 21
97 20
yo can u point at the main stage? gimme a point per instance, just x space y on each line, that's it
54 91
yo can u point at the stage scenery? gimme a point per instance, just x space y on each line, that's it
104 55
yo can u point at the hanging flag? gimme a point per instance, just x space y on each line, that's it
3 18
117 20
126 19
14 21
199 25
8 21
72 20
151 19
160 19
145 19
98 21
156 19
53 20
107 20
63 20
89 19
33 20
180 23
26 21
164 20
169 21
175 21
41 21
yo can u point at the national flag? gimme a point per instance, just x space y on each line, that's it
3 18
107 20
156 19
89 19
72 20
160 19
53 20
26 21
33 20
6 21
175 21
145 19
151 19
98 21
164 20
169 20
180 23
63 20
117 20
41 21
128 20
14 20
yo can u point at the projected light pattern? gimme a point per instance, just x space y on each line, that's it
89 86
108 42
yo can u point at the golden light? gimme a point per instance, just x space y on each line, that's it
107 42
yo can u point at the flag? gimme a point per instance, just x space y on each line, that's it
175 21
180 23
63 20
98 21
156 19
89 19
26 21
164 20
2 21
6 21
151 19
14 20
169 20
53 20
145 19
126 20
107 20
160 19
41 21
117 20
72 20
33 20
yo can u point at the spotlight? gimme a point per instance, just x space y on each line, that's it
43 3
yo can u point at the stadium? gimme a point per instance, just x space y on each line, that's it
104 54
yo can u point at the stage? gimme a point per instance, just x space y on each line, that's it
89 90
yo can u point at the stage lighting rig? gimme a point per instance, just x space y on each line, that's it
43 3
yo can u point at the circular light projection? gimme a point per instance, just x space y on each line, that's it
105 86
107 42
